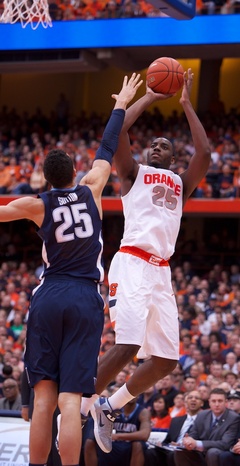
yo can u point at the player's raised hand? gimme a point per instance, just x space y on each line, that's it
187 85
157 95
128 91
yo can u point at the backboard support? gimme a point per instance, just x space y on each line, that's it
178 9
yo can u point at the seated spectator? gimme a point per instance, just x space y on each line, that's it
146 398
5 178
120 379
189 384
225 183
160 417
131 430
17 324
214 354
232 379
234 401
180 426
204 344
204 392
231 457
37 181
213 432
178 408
178 377
231 363
12 398
168 390
6 372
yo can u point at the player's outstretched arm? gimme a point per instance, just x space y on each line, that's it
25 207
199 162
126 166
98 176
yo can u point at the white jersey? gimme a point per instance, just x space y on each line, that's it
153 210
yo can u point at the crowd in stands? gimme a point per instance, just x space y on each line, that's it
209 329
111 9
208 303
25 139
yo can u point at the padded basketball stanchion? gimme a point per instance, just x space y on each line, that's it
178 9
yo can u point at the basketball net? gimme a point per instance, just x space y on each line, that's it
34 12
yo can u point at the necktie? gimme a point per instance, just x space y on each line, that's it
185 428
215 423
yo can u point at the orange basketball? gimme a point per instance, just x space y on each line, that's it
165 75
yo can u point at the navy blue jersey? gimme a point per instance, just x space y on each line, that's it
72 234
130 423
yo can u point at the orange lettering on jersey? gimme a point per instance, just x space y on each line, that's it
147 179
164 179
113 289
177 190
170 182
157 178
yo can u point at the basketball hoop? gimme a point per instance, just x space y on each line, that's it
34 12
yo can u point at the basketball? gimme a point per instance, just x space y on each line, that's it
165 75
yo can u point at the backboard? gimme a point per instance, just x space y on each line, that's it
178 9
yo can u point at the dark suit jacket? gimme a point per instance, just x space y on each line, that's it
222 436
174 429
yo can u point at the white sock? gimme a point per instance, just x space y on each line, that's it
120 398
58 425
87 404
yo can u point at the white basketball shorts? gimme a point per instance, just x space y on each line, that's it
143 306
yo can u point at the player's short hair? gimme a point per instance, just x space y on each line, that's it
58 168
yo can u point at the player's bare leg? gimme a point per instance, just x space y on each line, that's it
112 362
45 403
70 435
148 373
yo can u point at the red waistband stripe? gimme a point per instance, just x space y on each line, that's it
146 256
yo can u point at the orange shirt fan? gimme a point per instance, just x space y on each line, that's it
32 12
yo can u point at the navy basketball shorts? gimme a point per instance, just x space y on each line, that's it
64 333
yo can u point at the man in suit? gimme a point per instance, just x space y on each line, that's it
179 426
231 458
214 431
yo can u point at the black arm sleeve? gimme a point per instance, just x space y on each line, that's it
111 133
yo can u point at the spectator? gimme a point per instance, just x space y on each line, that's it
234 401
231 378
214 431
168 390
12 397
17 324
37 180
146 398
214 354
204 392
204 344
231 458
231 363
6 372
160 417
225 181
5 178
190 383
178 408
180 426
120 379
178 377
